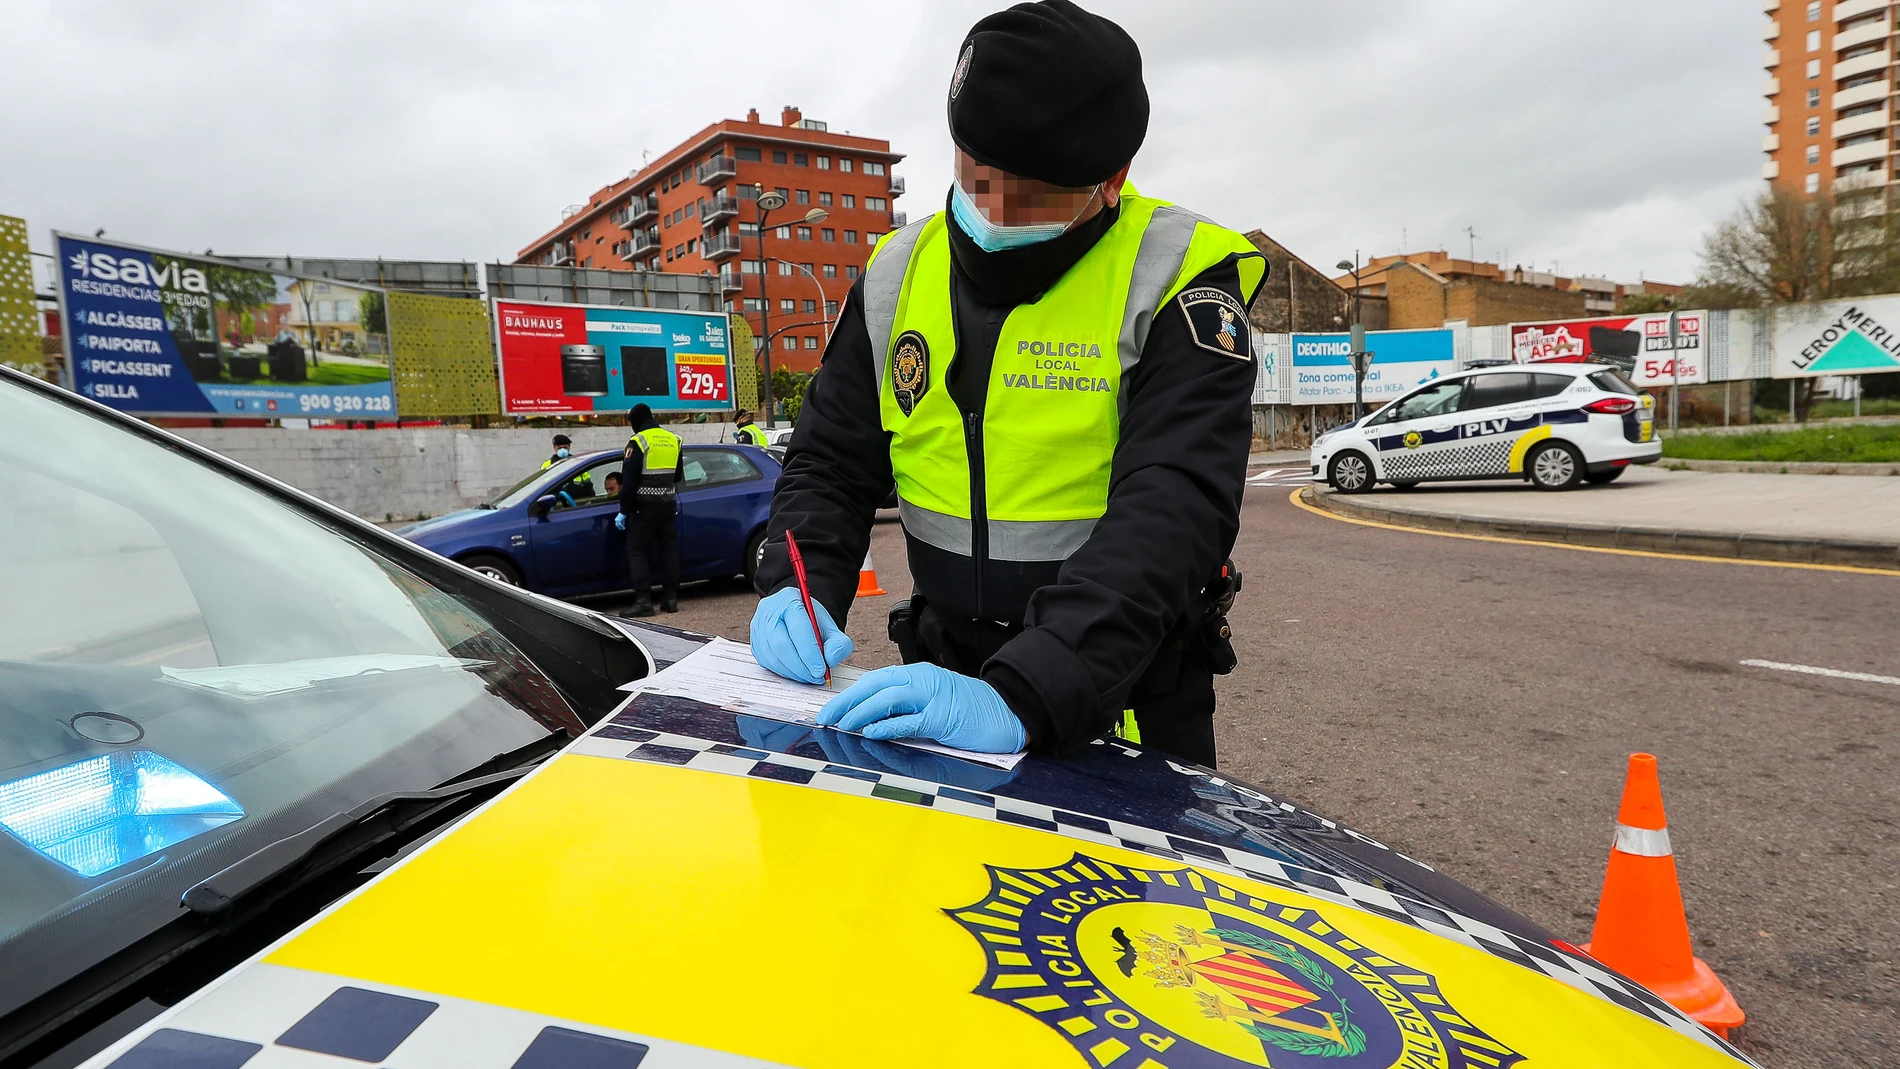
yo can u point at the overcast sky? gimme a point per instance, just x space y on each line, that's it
1602 138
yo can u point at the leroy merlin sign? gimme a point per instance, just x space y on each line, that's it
1838 338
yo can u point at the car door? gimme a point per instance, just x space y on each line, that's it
719 503
1495 415
575 546
1412 435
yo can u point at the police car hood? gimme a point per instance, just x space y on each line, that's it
689 886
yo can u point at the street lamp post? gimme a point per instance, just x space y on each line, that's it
770 202
1360 357
822 314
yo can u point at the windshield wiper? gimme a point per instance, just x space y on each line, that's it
223 889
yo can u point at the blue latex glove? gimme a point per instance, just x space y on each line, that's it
620 521
923 701
782 639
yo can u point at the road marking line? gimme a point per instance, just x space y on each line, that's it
1831 673
1294 499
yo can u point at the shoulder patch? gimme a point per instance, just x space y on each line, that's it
1217 321
910 370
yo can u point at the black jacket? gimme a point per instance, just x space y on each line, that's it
634 475
1093 623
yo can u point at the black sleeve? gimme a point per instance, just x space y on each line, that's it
631 468
1174 493
837 470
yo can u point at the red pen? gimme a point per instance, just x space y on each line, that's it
804 591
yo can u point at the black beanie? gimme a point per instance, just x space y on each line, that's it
640 415
1051 92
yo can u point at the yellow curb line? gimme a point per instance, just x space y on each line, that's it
1294 498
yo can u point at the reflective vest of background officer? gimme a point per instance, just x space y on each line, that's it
649 504
583 482
1057 374
748 432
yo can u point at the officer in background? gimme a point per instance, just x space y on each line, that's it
748 432
1058 374
649 501
583 483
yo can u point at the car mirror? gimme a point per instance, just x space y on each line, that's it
544 504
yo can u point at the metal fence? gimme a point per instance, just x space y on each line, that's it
592 285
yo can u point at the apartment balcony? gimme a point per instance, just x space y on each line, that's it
1872 61
1863 94
899 220
719 246
1771 170
1861 153
1771 114
562 254
731 281
1849 183
1771 88
1847 9
645 243
1770 142
1877 30
642 209
720 207
1769 7
1771 58
1859 124
716 170
897 185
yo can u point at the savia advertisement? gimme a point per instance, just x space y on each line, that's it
566 358
1401 361
1637 344
1837 338
164 334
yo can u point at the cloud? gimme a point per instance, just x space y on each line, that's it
1603 137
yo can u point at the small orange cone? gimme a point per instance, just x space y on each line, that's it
1640 928
867 579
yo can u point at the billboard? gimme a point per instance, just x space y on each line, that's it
165 334
1837 338
568 358
1401 360
1638 344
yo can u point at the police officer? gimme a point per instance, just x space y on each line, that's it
582 483
1057 373
748 432
650 475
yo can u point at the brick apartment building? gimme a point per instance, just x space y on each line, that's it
1424 289
693 210
1830 94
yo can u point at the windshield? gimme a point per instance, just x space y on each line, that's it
517 493
190 669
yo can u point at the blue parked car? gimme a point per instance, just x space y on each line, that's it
530 535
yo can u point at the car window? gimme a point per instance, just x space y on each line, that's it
1613 382
707 468
1490 391
1545 385
589 485
1433 400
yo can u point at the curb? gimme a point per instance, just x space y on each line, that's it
1779 467
1688 543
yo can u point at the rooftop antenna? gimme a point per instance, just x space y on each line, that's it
1401 241
1472 234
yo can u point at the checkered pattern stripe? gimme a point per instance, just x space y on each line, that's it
1491 457
611 740
264 1016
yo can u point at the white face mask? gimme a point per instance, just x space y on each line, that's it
996 237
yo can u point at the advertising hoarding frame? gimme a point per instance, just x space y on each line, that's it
1652 324
1830 325
1340 391
501 361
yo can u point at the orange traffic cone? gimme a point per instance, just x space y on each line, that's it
867 579
1640 928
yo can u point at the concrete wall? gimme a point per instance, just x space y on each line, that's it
402 474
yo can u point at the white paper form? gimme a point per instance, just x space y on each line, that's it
724 673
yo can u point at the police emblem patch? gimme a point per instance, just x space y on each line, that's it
1175 967
910 369
963 70
1413 439
1217 321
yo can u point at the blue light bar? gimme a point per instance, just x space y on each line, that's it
95 815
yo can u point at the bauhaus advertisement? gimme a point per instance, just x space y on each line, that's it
159 333
570 358
1837 337
1401 360
1637 344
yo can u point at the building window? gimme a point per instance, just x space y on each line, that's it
1814 68
850 201
804 233
804 196
876 204
844 165
785 268
799 159
831 308
870 238
787 304
851 270
749 267
824 163
831 270
1814 10
783 192
748 192
754 304
782 232
777 156
747 153
805 268
810 307
1814 154
871 168
691 209
750 230
828 234
1814 125
1814 40
669 256
811 341
824 199
690 242
850 237
789 342
1814 98
1814 183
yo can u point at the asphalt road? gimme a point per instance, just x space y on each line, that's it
1473 704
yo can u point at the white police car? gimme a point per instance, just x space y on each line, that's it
1555 425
